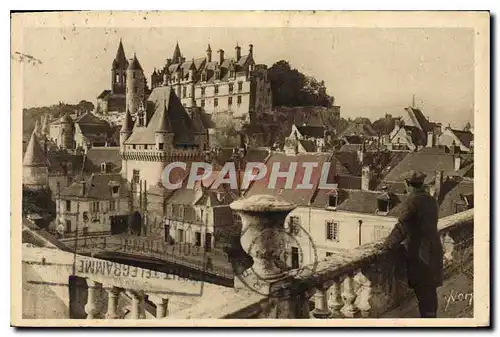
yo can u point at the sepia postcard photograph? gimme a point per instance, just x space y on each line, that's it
250 168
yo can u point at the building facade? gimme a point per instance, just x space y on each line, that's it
218 84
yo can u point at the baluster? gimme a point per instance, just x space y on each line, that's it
335 302
321 304
113 296
91 306
364 293
135 306
161 306
349 297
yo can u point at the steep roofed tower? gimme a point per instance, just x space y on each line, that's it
125 132
35 165
118 71
176 58
135 86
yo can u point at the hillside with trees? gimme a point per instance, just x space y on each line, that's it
292 88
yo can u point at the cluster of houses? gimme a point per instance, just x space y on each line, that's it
96 178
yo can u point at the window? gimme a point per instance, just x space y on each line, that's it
383 206
240 86
95 206
202 103
117 78
103 168
216 102
180 235
133 75
184 92
197 239
169 211
160 146
115 189
229 101
180 214
133 146
231 85
332 231
112 205
216 89
329 254
68 205
332 200
294 225
202 91
239 99
135 176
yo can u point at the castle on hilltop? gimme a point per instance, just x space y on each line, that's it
235 85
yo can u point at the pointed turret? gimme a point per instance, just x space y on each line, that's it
36 129
34 155
120 61
128 123
35 165
135 65
176 58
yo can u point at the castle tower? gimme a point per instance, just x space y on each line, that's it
163 136
209 53
177 57
190 87
35 165
66 132
125 132
135 86
118 71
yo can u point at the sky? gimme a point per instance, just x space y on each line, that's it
369 71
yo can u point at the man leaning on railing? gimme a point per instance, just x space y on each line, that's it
417 228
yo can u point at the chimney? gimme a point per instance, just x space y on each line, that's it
250 49
365 178
458 162
209 54
238 52
438 184
221 56
430 139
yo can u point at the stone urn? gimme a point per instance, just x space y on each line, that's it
263 233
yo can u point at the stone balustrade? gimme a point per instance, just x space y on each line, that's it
363 282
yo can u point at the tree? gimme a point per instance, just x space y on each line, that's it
293 88
85 106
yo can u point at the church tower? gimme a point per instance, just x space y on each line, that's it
35 165
118 71
136 84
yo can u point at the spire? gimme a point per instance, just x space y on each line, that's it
176 58
209 48
120 60
34 155
127 123
36 129
413 102
135 65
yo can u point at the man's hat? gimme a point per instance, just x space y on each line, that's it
414 177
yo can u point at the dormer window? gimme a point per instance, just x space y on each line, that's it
115 189
104 168
383 204
333 198
216 89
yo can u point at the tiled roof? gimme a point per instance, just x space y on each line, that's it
312 131
308 145
128 123
168 115
416 118
135 65
100 154
90 118
104 94
34 155
466 137
353 139
358 129
97 186
453 192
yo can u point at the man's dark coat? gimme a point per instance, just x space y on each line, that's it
417 227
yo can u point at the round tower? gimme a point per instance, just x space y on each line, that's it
35 165
66 132
125 133
135 86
